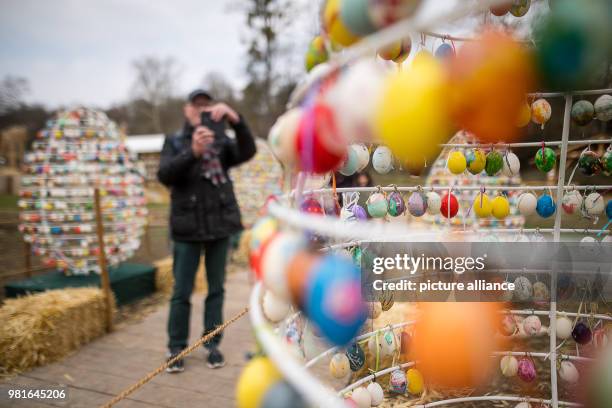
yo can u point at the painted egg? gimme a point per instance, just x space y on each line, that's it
362 397
444 51
476 161
609 211
383 345
405 48
434 203
508 325
383 13
311 205
275 308
603 108
377 205
356 357
482 205
281 248
363 156
339 366
564 328
456 162
546 206
532 325
449 206
545 159
417 203
316 53
374 310
398 382
256 379
606 162
526 369
500 207
582 113
524 116
382 160
261 232
353 213
299 270
282 395
540 292
501 10
523 289
494 163
350 164
540 112
416 382
512 165
334 26
396 204
509 366
527 203
355 15
390 52
568 372
582 333
283 135
572 202
589 163
594 204
376 393
520 7
333 300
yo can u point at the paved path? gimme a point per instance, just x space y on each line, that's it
106 366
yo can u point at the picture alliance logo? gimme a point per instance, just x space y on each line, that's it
412 264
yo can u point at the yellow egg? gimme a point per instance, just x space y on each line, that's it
333 25
412 118
456 162
416 382
524 115
390 52
256 378
482 205
476 161
500 207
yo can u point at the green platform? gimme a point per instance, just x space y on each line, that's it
129 282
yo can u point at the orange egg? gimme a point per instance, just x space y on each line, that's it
298 270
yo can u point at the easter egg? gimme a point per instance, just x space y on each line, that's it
609 211
398 382
482 205
523 289
390 52
417 203
568 372
311 205
339 366
334 26
476 161
434 202
456 162
546 206
383 345
564 328
594 204
444 51
589 163
449 205
363 156
532 325
523 405
351 161
282 395
377 205
509 366
500 207
362 397
540 112
275 308
526 369
281 248
582 333
350 402
356 357
416 383
603 108
316 54
405 48
572 202
376 393
512 165
256 379
319 145
382 160
524 115
283 135
396 204
333 300
501 10
606 162
383 13
527 204
545 159
582 113
508 325
331 206
520 7
261 232
494 163
356 17
540 292
414 131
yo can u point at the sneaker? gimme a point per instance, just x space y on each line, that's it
178 366
215 358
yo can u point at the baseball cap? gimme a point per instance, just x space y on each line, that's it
198 92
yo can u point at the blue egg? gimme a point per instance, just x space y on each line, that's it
355 16
445 51
546 206
609 210
333 299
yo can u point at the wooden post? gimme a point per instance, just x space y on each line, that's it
104 278
27 252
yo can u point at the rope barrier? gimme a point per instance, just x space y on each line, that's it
122 395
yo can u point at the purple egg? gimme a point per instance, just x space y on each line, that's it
396 204
582 334
526 369
417 203
359 212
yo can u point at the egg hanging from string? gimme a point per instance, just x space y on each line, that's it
405 48
523 289
500 207
545 159
508 324
593 204
444 51
603 108
482 205
501 10
376 393
279 252
456 162
541 294
520 7
416 382
391 51
589 163
397 382
275 308
417 203
434 202
572 202
449 205
383 345
356 357
384 13
356 17
527 204
606 162
350 164
582 113
511 165
524 115
363 156
396 204
532 325
526 369
476 161
259 375
540 112
282 137
362 397
339 366
568 372
377 205
564 328
509 366
382 160
582 333
494 163
334 26
311 205
546 206
316 53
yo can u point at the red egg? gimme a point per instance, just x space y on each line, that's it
256 254
312 206
449 206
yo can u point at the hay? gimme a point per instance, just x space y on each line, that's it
164 281
44 327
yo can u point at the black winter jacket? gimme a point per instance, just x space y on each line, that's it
201 211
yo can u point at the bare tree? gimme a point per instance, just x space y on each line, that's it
219 87
12 91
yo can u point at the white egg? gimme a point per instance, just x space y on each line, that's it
363 156
281 138
362 397
572 202
274 260
434 202
523 405
512 165
527 203
594 204
382 160
532 325
376 393
386 344
339 366
564 328
523 290
568 372
275 308
540 292
509 366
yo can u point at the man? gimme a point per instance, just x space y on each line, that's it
204 212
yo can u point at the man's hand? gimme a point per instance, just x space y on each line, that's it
220 110
201 139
